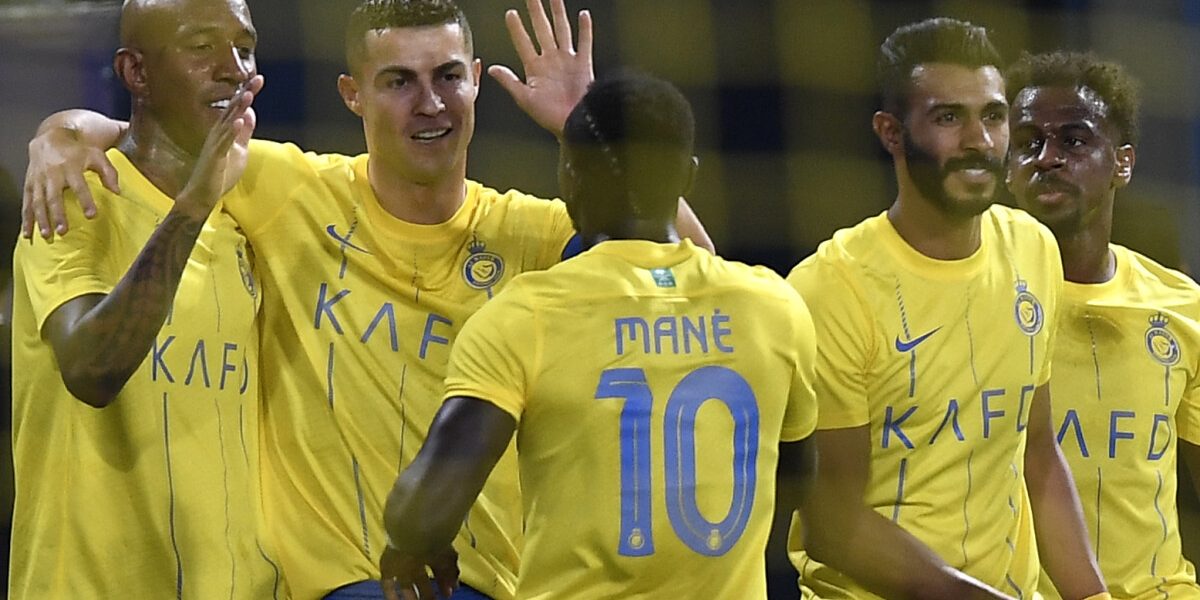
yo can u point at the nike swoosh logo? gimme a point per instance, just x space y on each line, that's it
902 346
345 242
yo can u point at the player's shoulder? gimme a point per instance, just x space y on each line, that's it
762 280
1149 273
1015 226
514 202
838 260
286 163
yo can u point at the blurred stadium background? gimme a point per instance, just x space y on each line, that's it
783 92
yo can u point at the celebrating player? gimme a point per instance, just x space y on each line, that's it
136 406
935 322
1126 380
373 263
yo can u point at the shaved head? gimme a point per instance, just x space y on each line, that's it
146 23
182 60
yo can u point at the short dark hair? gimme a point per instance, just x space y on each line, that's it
631 137
375 15
1109 80
937 40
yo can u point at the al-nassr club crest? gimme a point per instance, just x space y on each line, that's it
247 273
1027 310
482 270
1160 342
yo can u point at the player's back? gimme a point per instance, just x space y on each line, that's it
659 382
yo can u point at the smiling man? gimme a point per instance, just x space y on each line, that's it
1127 364
935 321
372 264
135 394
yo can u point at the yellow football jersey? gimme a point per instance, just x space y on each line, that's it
1126 386
359 313
155 495
652 384
940 359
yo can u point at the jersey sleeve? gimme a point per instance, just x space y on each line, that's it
492 357
843 332
1187 416
76 264
276 174
560 241
801 417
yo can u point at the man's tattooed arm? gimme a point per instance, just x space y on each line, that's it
101 340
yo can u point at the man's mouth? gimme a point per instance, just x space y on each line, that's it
431 134
976 174
220 104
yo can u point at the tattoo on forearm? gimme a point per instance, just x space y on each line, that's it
123 326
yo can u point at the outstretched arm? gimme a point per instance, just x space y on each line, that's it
1057 516
432 496
842 532
68 144
100 340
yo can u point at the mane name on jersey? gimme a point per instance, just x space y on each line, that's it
674 334
208 363
996 406
382 321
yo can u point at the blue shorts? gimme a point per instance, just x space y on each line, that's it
372 590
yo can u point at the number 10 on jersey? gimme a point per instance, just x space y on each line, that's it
715 383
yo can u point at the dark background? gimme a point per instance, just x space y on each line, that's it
783 93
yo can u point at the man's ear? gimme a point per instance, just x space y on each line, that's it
348 88
889 130
131 70
1126 157
692 172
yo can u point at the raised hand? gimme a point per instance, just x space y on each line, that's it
73 142
557 76
218 167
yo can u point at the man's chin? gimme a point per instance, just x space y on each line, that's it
966 206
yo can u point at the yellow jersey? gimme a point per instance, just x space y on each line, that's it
359 312
940 359
155 495
652 385
1126 387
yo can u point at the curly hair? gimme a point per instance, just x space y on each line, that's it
374 15
937 40
1109 80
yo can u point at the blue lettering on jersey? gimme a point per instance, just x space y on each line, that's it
387 310
156 360
952 418
1115 434
429 336
1122 425
197 361
891 427
1072 420
1159 419
325 307
673 334
329 311
198 353
988 413
894 418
